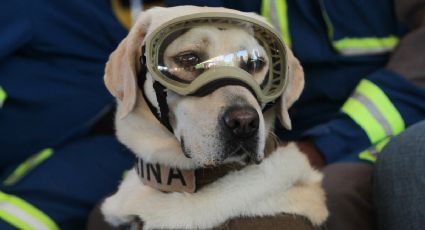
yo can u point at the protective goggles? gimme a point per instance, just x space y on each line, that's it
193 54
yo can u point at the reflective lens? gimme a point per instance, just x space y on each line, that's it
186 66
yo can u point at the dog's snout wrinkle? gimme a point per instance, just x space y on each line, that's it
242 121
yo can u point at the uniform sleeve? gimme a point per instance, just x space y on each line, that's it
384 103
15 25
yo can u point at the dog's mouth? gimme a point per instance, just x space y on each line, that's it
243 152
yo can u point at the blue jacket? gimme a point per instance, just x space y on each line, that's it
352 103
52 57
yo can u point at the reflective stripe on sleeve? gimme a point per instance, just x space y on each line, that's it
276 11
27 166
383 105
367 45
360 114
373 111
23 215
371 154
3 96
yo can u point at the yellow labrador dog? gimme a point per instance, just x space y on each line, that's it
198 89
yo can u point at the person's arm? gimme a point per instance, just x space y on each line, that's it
383 104
409 57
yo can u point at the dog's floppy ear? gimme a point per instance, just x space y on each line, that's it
293 90
122 67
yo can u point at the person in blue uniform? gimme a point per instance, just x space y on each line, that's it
57 158
364 85
364 71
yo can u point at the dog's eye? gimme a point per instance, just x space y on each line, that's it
253 65
187 60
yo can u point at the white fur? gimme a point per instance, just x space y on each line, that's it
198 121
282 183
147 138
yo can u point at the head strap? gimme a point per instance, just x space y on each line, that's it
160 92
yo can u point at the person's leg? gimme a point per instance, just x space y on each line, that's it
68 184
399 181
348 188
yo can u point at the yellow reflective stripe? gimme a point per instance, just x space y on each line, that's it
382 144
3 96
357 45
25 218
276 11
282 11
328 22
383 104
374 112
362 46
265 9
371 153
14 221
123 14
367 156
367 42
27 165
28 209
361 115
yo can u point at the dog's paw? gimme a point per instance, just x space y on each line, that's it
111 210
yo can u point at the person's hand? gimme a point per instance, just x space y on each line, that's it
310 150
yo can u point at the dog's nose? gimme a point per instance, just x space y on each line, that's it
241 120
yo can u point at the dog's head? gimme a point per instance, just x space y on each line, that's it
227 124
